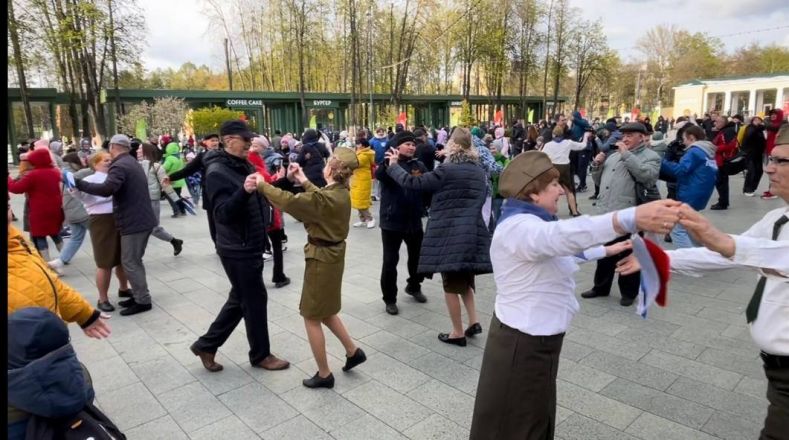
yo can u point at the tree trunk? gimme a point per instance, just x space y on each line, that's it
547 62
20 69
114 62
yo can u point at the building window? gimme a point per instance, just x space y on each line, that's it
715 102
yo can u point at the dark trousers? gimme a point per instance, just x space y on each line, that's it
605 272
753 172
276 250
516 394
776 425
582 168
391 243
211 227
248 300
722 185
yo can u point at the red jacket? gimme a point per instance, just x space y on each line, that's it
726 141
42 186
260 166
776 119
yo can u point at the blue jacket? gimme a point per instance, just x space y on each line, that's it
44 376
695 174
579 127
379 146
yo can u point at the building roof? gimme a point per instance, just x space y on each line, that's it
733 79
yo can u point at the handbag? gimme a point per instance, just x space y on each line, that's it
735 164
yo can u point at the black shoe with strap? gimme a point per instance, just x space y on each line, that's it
319 382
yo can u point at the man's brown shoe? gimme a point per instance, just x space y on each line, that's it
273 363
207 359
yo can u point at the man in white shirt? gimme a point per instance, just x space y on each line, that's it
764 248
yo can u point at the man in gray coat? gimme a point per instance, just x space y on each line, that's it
618 173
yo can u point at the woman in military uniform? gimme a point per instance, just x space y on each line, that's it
326 213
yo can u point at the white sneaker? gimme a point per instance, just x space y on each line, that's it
56 265
749 194
267 256
359 224
371 224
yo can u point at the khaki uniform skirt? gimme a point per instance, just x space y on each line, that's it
106 241
516 394
321 291
565 176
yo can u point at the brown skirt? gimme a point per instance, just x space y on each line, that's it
106 241
565 176
320 294
457 282
516 394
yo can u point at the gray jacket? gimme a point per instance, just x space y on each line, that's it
618 176
73 209
155 174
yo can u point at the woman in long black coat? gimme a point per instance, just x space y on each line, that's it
456 242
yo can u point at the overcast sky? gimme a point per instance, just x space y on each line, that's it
179 30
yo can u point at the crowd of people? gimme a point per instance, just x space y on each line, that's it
466 202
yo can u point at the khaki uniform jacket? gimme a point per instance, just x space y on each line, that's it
325 213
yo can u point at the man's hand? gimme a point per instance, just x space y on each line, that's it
165 181
99 329
251 183
618 248
393 155
600 158
659 216
621 146
628 265
441 153
280 173
701 230
296 173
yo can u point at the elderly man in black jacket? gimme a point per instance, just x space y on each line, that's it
128 186
400 218
240 215
312 157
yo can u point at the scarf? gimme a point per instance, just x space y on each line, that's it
514 206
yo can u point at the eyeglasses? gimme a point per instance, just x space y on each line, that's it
775 160
226 139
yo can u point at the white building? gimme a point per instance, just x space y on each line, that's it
748 96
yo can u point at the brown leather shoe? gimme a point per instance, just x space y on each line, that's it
273 363
207 359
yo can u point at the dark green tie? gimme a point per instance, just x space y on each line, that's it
753 307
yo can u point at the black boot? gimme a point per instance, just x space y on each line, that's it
178 246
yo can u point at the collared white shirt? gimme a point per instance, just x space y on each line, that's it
534 268
754 249
95 204
559 152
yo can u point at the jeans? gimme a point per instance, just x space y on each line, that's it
247 299
722 185
681 238
41 242
73 244
132 250
194 191
391 244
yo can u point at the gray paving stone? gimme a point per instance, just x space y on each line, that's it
448 371
753 387
297 428
713 338
389 406
446 401
395 346
257 407
595 406
326 408
579 427
110 374
193 406
732 428
344 380
137 347
365 428
584 376
741 405
163 428
436 427
429 340
393 373
659 403
230 378
162 374
227 428
692 369
617 346
651 427
131 406
599 324
747 366
634 371
665 343
575 351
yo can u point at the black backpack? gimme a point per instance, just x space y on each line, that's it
90 423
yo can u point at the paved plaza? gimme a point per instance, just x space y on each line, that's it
689 371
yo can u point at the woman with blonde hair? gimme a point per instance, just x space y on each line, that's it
326 213
104 234
457 241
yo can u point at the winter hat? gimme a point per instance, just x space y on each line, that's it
236 127
634 127
401 137
526 167
310 136
477 132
